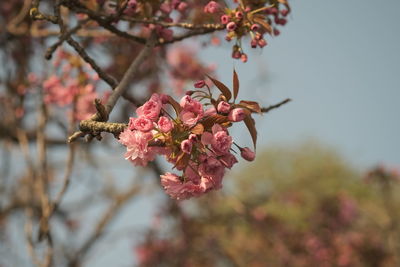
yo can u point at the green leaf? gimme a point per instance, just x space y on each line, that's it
235 85
251 126
222 87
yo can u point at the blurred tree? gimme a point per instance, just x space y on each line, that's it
299 206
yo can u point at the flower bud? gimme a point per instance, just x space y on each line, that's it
200 84
236 115
186 146
223 107
231 26
224 19
247 154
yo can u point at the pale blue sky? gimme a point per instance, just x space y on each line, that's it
340 63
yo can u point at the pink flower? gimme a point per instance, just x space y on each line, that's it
192 138
186 146
223 107
210 111
182 6
228 160
142 124
247 154
222 142
212 7
192 111
200 84
236 115
177 189
151 109
212 172
136 143
165 8
231 26
165 124
224 19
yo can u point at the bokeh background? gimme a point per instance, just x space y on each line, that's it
323 190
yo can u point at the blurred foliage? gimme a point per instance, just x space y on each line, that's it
298 206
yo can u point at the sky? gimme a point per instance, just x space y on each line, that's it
339 62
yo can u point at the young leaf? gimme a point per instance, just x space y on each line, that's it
198 129
235 85
251 126
251 105
222 87
175 105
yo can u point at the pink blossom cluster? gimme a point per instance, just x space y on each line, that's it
250 20
184 66
74 86
196 140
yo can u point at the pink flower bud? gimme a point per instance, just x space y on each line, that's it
247 154
186 146
276 32
236 115
200 84
231 26
236 54
223 107
165 124
239 15
243 58
255 27
224 19
262 43
253 43
284 12
164 99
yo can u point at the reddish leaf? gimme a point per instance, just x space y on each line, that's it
198 129
182 160
235 85
251 105
217 118
251 126
222 87
175 105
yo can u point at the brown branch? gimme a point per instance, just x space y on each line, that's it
119 90
267 109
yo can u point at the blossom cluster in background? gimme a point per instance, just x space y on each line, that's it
254 18
195 139
74 86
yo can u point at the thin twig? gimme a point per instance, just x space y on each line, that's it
267 109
